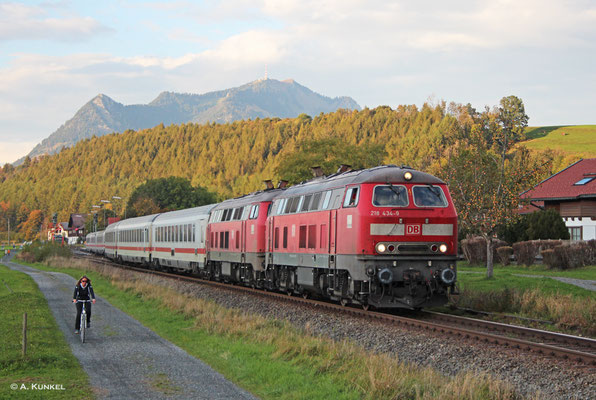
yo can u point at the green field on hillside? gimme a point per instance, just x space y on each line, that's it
579 140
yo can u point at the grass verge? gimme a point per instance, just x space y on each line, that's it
571 308
48 360
271 358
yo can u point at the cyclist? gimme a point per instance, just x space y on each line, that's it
83 291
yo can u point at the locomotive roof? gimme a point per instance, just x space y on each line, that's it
385 173
256 197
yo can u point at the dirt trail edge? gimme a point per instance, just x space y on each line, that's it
124 359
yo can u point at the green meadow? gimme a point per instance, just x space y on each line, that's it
576 140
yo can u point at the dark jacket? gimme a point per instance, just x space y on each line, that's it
81 293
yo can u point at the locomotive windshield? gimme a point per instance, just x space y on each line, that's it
390 196
429 196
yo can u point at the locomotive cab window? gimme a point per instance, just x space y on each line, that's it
351 199
429 196
390 196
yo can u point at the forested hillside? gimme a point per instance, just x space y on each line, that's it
233 159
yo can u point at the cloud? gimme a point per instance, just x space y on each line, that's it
23 22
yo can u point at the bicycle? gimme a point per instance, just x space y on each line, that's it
83 319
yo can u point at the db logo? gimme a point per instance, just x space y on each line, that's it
413 229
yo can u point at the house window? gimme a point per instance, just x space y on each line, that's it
575 233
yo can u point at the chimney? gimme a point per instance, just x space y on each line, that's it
282 184
317 172
269 184
344 168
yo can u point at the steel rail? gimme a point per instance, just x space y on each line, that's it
538 334
509 342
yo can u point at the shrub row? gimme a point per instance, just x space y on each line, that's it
570 255
555 253
38 252
526 252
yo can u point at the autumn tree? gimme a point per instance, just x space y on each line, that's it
31 227
329 154
167 194
487 174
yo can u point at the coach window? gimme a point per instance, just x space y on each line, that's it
351 199
227 239
237 213
285 237
245 211
237 239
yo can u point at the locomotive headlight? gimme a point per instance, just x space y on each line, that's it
381 248
408 176
443 248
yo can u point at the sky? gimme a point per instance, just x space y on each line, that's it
55 56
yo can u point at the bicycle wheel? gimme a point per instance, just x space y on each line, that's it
83 326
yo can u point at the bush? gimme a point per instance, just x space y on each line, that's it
526 252
537 225
38 252
551 258
474 249
504 253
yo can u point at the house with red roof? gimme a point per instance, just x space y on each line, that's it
572 192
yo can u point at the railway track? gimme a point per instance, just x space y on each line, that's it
576 349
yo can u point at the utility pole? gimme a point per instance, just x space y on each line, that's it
106 202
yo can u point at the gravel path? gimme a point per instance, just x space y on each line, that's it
527 373
124 359
582 283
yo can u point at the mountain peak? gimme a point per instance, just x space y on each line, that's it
263 98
